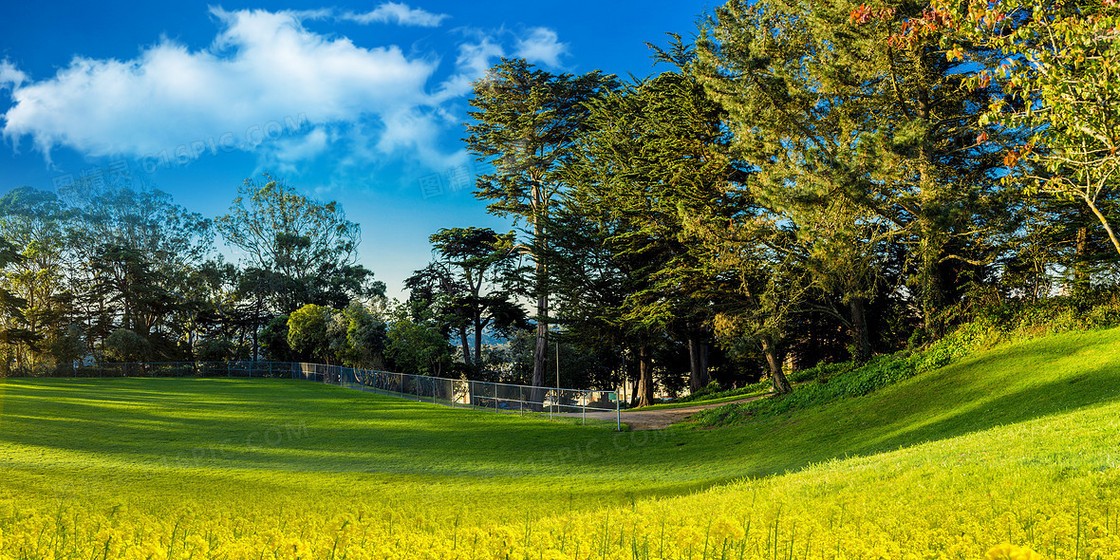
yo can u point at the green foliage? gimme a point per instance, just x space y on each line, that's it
829 383
712 391
417 346
309 247
308 331
860 141
1059 62
69 345
358 337
124 345
274 340
215 350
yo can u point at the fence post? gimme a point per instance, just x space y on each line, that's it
617 413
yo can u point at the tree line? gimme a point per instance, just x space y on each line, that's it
115 272
805 183
808 182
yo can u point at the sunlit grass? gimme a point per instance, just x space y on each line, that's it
1018 445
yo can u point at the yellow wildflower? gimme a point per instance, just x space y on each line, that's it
1009 551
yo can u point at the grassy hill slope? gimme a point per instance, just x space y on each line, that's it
1018 444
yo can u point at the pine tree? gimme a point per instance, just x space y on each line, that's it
525 122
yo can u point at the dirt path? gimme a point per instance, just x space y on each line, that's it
658 419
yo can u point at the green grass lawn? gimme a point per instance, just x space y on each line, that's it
1044 408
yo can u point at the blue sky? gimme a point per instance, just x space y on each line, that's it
359 102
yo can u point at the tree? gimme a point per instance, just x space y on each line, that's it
479 263
308 331
274 340
796 118
525 122
417 345
1060 63
11 311
650 151
132 256
34 223
365 336
124 345
209 314
824 101
311 247
750 259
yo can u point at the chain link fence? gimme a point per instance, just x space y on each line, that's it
500 397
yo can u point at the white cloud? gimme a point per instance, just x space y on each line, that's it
263 69
265 85
482 49
396 12
541 45
304 147
10 76
474 59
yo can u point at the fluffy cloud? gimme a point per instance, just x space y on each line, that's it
267 85
10 76
262 68
396 12
541 45
475 58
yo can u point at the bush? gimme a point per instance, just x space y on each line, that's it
831 382
989 326
713 391
123 345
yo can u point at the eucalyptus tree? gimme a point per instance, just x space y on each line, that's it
12 332
310 247
34 222
132 252
525 123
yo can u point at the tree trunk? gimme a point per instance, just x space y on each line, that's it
645 376
478 343
861 338
778 380
931 283
256 328
540 355
929 231
698 362
1081 278
1104 222
466 346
